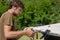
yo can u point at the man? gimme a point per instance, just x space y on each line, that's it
16 7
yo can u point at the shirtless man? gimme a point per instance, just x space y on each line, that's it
16 7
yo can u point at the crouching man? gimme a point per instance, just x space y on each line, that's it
15 7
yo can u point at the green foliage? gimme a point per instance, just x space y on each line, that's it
3 6
36 12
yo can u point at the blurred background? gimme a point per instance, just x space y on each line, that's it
36 12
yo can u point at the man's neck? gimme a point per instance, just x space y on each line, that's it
11 11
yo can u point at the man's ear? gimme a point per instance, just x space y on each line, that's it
13 7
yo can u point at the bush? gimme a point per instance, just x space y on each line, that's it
36 12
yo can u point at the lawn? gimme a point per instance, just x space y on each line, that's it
27 38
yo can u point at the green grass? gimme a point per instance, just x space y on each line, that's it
27 38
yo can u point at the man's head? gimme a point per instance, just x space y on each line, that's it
17 6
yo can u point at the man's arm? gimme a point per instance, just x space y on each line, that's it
16 34
12 34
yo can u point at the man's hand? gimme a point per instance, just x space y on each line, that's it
29 32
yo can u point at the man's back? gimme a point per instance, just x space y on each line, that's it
2 37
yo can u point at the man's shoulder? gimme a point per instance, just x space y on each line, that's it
6 14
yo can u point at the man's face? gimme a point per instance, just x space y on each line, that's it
18 10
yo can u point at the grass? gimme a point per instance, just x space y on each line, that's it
27 38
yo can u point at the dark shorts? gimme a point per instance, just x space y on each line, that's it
12 39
